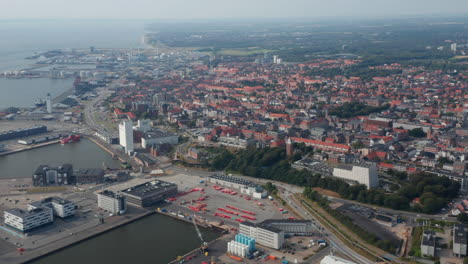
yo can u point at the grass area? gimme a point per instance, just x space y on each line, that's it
416 242
47 189
327 192
242 52
460 57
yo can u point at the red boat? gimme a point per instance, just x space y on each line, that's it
71 138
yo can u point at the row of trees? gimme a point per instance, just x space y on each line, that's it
434 192
353 109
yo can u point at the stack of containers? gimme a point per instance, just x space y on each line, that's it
246 240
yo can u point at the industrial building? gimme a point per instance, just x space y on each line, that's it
428 243
38 214
112 202
126 136
23 132
38 140
246 187
83 176
149 193
459 240
158 137
291 227
335 260
362 173
230 181
46 176
265 235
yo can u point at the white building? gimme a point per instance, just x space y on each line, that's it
24 221
453 47
38 214
112 202
60 207
362 173
49 104
126 136
264 235
255 191
335 260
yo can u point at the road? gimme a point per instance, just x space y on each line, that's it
89 110
335 242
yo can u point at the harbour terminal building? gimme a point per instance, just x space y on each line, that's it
38 214
270 233
362 173
112 202
265 235
149 193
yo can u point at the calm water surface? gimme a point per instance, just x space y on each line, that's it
156 239
83 154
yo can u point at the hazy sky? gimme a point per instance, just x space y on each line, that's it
202 9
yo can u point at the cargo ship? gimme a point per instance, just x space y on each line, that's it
71 138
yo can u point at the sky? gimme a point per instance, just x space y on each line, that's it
216 9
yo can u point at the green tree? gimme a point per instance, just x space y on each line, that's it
417 132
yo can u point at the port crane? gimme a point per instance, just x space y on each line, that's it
204 245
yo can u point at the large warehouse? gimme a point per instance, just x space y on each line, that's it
149 193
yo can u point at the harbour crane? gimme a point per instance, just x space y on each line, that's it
204 245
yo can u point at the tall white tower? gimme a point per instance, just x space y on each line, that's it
126 136
49 104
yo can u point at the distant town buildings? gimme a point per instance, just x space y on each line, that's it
126 136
